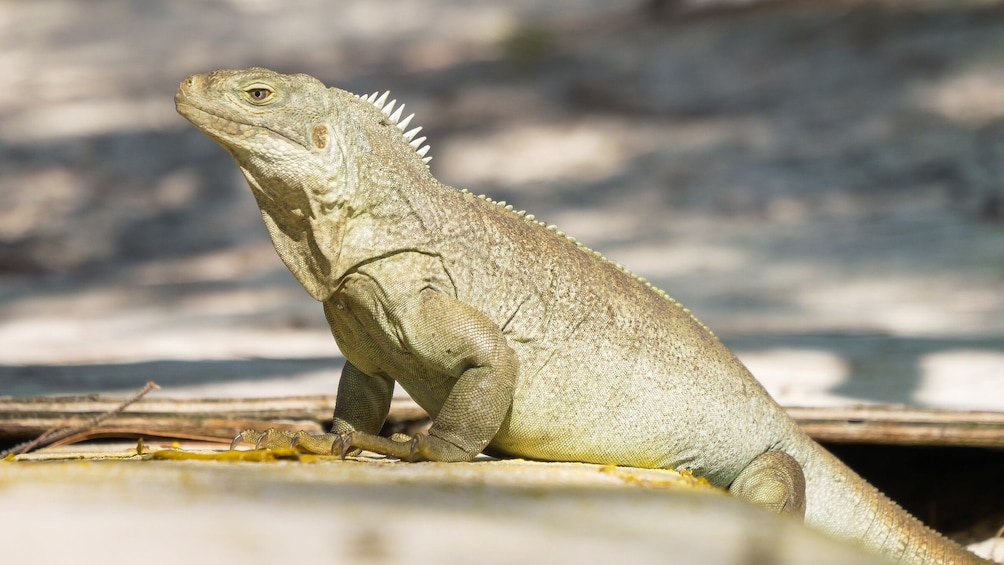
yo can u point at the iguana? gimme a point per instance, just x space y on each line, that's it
516 339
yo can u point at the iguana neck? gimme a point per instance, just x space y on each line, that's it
386 219
383 213
368 205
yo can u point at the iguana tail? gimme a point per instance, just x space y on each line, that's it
844 505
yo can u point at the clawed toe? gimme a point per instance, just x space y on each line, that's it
319 444
343 445
246 436
269 439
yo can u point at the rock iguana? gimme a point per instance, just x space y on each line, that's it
517 340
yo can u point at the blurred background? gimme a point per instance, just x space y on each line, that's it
821 182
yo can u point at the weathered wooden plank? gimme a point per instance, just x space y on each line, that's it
902 425
23 418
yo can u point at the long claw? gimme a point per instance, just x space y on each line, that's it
264 437
274 439
249 436
414 448
344 443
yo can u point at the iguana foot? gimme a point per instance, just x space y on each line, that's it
350 443
319 444
400 446
420 447
774 480
269 439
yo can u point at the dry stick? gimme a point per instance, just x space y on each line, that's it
140 433
54 435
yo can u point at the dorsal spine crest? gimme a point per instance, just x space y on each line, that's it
379 101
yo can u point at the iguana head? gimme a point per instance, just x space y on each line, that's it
301 147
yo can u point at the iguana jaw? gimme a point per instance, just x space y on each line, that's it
294 162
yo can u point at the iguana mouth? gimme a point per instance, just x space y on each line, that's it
213 124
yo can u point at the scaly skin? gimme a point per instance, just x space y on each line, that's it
515 339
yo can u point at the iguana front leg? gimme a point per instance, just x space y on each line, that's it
362 404
447 337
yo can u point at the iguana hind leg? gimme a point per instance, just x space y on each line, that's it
362 405
446 336
773 480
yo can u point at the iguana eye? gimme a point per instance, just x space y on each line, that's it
258 94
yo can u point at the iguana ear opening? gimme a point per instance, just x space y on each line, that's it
319 136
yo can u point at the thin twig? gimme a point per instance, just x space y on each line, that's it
56 435
115 432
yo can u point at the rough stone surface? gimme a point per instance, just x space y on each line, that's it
118 511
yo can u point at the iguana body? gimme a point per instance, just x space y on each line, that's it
515 339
